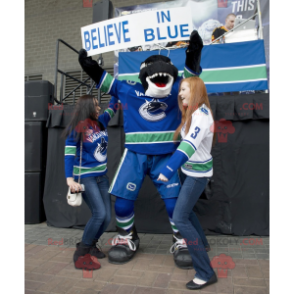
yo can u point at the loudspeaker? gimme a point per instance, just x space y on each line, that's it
36 135
38 96
34 189
102 10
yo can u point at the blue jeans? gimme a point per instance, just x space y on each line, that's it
190 229
98 200
193 218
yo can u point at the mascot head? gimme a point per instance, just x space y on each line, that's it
157 75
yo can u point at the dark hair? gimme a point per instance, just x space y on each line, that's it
84 113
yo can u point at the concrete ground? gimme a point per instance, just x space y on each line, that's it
49 265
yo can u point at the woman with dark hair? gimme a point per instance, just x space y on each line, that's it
87 130
194 157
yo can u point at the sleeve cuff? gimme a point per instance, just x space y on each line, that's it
168 172
98 86
177 160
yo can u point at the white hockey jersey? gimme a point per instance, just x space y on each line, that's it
193 154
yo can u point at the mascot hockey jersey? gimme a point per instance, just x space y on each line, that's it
148 125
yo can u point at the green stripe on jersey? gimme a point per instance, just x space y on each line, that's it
186 148
156 137
110 112
84 170
107 83
70 150
191 166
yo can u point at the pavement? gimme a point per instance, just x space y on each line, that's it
49 265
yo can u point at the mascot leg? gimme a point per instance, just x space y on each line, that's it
179 248
126 243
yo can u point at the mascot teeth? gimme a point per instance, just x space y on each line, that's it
159 92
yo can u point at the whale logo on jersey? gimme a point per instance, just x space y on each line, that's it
153 110
100 152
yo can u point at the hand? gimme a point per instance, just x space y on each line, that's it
193 52
162 178
74 186
90 66
195 43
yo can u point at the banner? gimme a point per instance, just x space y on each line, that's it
206 16
137 29
222 68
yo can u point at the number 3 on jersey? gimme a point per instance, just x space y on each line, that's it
194 135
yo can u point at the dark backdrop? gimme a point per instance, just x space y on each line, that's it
236 201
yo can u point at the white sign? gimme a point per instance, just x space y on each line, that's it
165 25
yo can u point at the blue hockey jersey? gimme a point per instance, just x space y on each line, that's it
94 150
149 123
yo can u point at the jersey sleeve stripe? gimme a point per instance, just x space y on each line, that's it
190 144
188 72
186 148
106 83
110 112
70 150
102 80
111 83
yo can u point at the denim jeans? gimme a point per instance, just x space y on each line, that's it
190 229
98 200
193 218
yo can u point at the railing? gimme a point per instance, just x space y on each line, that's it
82 83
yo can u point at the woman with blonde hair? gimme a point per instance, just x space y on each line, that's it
194 157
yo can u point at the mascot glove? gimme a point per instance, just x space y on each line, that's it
90 66
195 43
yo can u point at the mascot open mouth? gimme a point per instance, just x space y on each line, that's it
159 84
160 79
157 75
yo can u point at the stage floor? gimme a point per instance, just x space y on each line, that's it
49 266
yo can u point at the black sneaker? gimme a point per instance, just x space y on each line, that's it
124 246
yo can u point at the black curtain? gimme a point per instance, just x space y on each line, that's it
236 200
